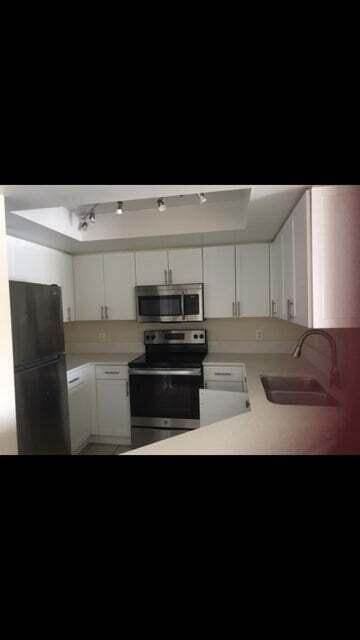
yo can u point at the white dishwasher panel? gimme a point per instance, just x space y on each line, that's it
218 404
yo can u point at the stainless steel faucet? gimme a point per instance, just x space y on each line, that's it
334 371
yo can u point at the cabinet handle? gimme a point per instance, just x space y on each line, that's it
233 309
247 404
222 374
290 304
127 388
238 309
106 313
166 276
170 276
273 308
112 373
74 380
102 312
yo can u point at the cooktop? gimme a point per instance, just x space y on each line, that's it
168 361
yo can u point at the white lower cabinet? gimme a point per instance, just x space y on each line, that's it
113 403
224 395
99 405
81 406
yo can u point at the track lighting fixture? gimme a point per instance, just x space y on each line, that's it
202 198
120 208
161 204
86 218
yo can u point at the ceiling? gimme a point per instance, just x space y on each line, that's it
267 209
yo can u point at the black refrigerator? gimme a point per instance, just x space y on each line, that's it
42 412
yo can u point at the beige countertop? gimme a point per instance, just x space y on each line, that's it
268 428
76 360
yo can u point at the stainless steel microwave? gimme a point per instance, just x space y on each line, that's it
170 303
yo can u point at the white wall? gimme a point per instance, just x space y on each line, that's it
8 438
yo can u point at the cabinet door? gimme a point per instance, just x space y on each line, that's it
276 278
219 281
301 220
89 286
219 405
151 267
287 234
119 278
335 213
80 413
252 279
113 408
67 288
186 266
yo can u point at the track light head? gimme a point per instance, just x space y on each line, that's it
92 217
83 225
202 198
161 204
120 209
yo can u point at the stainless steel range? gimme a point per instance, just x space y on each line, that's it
165 383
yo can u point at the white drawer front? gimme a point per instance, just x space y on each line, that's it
224 373
74 378
112 372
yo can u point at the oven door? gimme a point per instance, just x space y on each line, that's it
164 398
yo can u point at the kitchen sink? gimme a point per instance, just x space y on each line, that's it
296 390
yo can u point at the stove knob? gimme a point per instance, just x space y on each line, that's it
195 336
201 335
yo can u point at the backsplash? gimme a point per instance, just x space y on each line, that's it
224 335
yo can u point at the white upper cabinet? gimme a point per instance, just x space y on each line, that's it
287 234
185 266
252 280
119 279
335 213
219 281
89 287
301 247
31 262
293 244
276 278
67 288
151 267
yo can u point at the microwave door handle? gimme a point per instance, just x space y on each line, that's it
183 305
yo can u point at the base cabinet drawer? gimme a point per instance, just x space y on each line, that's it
111 372
224 373
113 407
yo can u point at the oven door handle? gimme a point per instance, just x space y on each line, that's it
165 372
183 304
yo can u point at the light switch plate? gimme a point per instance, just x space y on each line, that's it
259 334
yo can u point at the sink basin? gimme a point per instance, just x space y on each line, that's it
302 391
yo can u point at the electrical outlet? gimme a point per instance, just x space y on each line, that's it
102 336
259 334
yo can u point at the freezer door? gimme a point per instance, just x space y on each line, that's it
42 412
37 327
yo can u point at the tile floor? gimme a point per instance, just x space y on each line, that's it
93 449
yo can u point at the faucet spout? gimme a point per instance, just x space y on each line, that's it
334 371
